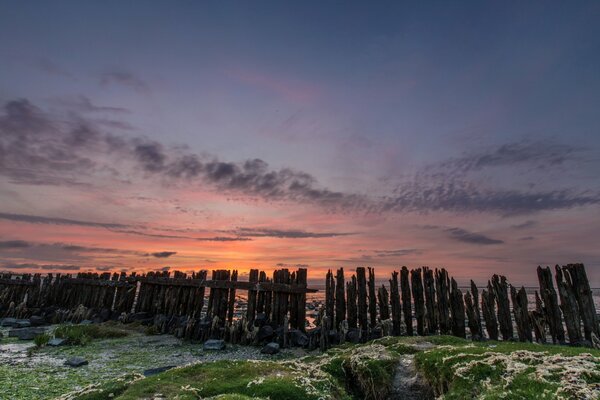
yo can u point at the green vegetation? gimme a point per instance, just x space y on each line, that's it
41 340
80 335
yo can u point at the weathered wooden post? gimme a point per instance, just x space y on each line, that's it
362 302
442 285
340 300
430 306
252 294
568 305
384 308
501 293
457 310
406 301
417 292
488 308
352 310
329 298
519 301
395 303
551 308
585 301
372 298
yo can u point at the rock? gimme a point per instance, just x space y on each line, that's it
265 332
23 323
353 335
156 371
36 320
26 333
9 322
270 348
76 362
57 342
260 320
214 344
86 322
299 338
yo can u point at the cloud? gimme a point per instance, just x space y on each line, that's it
84 104
287 234
32 219
45 267
397 253
163 254
52 68
125 78
462 235
14 244
525 225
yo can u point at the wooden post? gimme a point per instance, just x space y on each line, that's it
474 328
340 300
568 305
301 277
417 292
352 310
372 298
362 302
538 320
251 310
551 308
406 301
231 302
442 285
457 310
519 301
430 306
384 308
329 298
395 303
501 293
488 308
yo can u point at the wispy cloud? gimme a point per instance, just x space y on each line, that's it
163 254
287 234
462 235
126 79
33 219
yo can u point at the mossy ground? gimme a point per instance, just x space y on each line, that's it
458 369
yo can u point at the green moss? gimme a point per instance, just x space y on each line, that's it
83 334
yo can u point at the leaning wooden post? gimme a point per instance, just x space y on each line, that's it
501 293
302 280
372 298
251 310
474 328
488 309
585 301
519 301
406 301
430 306
538 320
417 292
231 303
363 320
457 310
352 310
442 286
340 300
568 305
551 308
395 303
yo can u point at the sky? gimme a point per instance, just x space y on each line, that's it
148 135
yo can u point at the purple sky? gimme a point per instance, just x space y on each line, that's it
138 135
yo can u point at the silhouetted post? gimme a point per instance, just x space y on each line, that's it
417 292
384 308
395 303
474 328
442 285
568 305
261 295
340 300
301 279
231 304
363 320
372 298
585 301
251 310
406 301
488 308
430 306
538 318
519 301
551 308
457 311
501 293
329 297
352 310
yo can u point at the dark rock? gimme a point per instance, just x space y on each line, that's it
270 348
76 362
139 316
23 323
57 342
26 333
9 322
214 344
86 322
299 338
260 320
156 371
265 332
353 336
36 320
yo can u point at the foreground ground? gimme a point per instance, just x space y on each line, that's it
386 368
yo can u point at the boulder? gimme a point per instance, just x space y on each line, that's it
265 332
86 322
26 333
353 335
36 320
156 371
9 322
57 342
214 344
23 323
270 348
299 338
260 320
76 362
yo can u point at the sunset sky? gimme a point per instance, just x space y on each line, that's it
139 135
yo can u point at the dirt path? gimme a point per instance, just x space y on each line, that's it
408 383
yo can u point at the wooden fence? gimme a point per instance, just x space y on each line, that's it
431 301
